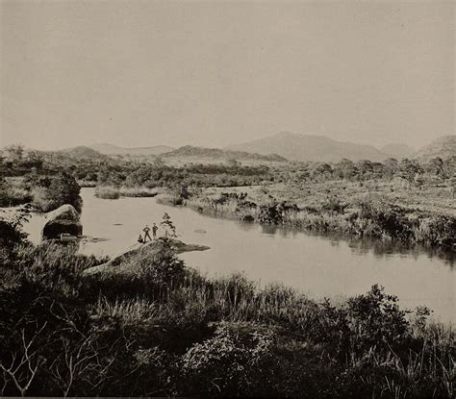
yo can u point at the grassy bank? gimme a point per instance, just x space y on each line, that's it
168 331
380 211
113 192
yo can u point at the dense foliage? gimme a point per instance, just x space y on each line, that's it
167 331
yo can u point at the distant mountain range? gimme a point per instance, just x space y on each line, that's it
196 153
186 153
277 148
110 149
299 147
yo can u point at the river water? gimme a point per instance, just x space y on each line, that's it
316 265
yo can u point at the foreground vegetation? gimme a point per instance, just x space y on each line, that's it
168 331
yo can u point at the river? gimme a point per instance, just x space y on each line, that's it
318 266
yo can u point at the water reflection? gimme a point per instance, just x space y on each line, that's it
362 246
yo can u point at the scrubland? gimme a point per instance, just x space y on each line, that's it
379 209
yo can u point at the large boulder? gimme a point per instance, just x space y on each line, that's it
63 220
65 212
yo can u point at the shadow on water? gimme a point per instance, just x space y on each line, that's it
360 246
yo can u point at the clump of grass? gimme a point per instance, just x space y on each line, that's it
87 183
13 193
371 216
107 192
112 192
138 191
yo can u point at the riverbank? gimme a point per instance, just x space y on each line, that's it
386 213
113 192
175 332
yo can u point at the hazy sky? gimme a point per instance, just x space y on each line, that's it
141 73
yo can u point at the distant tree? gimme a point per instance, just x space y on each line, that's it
435 166
378 169
365 168
409 168
158 162
449 166
14 153
34 159
322 170
419 180
391 167
232 162
453 186
345 169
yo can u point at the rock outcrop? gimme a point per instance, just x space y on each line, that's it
63 220
121 263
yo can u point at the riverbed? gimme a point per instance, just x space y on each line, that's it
316 265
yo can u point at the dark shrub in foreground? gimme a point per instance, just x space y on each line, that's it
167 331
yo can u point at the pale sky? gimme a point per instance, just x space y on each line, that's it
142 73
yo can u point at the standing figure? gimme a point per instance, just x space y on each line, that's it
154 230
146 233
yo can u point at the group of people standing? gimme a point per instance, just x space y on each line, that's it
146 231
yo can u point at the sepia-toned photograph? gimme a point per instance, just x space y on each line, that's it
228 198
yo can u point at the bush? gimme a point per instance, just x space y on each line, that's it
226 364
386 220
107 192
49 193
165 268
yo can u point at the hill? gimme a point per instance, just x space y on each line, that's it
397 150
110 149
310 148
197 154
81 152
443 147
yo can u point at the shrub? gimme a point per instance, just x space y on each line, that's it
376 320
226 364
49 193
107 192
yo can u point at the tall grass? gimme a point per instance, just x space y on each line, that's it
371 217
107 192
112 192
165 330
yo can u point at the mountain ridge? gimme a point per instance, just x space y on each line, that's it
111 149
298 147
217 153
280 147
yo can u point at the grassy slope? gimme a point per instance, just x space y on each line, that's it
383 210
433 198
